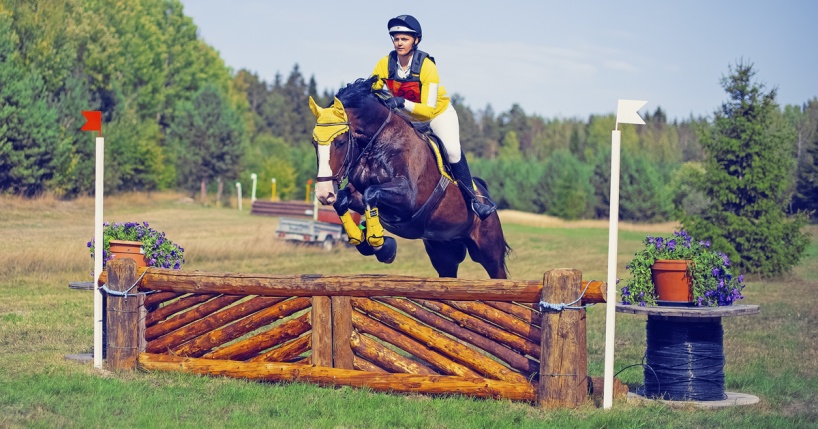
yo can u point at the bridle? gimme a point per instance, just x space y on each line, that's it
346 167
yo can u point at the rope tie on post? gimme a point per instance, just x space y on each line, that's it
104 289
557 307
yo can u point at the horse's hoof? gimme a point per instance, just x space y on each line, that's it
388 251
365 249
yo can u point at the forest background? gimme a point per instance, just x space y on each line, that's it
176 117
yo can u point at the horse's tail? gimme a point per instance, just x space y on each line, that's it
507 250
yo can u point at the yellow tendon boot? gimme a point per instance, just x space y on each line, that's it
374 229
356 236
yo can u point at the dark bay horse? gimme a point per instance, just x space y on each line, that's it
396 179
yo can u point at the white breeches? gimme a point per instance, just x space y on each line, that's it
447 127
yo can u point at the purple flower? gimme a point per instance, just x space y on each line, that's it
671 244
659 243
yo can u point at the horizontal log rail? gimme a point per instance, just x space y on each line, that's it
277 372
359 285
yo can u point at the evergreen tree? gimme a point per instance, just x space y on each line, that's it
207 134
747 175
28 125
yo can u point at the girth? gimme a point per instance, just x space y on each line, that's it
416 224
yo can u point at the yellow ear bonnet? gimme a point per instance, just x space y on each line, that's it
331 123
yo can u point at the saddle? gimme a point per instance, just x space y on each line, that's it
436 146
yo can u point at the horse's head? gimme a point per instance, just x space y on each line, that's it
336 131
332 141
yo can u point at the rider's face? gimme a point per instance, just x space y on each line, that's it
403 43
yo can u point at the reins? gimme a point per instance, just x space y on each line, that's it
347 166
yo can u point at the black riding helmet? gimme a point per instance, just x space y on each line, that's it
405 24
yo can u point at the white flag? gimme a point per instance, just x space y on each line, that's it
626 112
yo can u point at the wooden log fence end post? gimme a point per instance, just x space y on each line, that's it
124 317
563 355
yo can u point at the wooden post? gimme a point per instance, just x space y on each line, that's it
563 357
322 331
126 327
342 356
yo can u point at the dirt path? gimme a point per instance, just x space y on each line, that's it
523 218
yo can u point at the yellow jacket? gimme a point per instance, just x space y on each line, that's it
433 99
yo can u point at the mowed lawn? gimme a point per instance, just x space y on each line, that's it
773 355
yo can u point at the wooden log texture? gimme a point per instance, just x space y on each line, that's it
285 352
361 285
499 318
211 322
376 352
564 361
596 388
482 327
342 355
322 331
248 347
364 365
122 321
182 319
225 334
278 372
442 363
174 307
154 299
522 312
512 358
453 349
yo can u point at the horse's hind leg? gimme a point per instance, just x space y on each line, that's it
488 247
446 256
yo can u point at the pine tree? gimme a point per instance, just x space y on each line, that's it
747 178
28 127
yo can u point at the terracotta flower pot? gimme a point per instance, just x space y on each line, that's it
672 281
129 249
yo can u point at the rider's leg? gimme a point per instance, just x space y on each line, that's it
447 127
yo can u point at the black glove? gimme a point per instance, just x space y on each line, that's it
395 103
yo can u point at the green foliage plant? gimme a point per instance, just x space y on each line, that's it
713 281
748 180
159 251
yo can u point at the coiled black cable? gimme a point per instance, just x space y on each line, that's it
684 361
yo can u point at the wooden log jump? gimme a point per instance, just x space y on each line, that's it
483 338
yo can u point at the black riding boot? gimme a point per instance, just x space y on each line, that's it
482 205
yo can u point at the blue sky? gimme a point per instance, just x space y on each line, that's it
556 59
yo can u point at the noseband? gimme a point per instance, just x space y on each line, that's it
346 167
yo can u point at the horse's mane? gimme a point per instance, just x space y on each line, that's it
355 94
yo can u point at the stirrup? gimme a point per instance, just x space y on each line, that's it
481 209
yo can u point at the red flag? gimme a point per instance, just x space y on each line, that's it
93 121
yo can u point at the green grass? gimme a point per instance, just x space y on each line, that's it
773 355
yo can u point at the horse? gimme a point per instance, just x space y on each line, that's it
396 178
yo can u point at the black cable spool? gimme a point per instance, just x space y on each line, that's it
684 360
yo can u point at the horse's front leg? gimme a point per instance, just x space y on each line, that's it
348 197
398 195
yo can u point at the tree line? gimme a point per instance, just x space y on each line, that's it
176 117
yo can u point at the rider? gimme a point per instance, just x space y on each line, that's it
410 76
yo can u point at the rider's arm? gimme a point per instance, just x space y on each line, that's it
382 71
429 94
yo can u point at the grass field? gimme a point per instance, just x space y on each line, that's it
773 355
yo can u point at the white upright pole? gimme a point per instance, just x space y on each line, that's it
253 176
238 186
98 248
613 233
